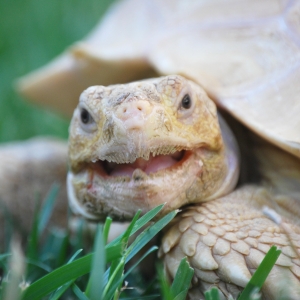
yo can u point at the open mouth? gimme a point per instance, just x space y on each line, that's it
150 166
103 188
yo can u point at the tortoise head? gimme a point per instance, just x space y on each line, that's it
138 145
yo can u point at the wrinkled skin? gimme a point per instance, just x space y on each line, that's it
156 141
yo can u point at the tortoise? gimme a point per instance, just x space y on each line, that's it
245 56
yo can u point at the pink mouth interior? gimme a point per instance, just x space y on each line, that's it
152 165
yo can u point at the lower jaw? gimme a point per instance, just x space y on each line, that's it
95 196
200 176
119 201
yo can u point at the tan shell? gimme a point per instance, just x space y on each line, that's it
244 53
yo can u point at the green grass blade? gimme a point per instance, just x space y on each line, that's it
55 248
182 280
115 273
32 246
63 288
114 287
181 283
78 241
47 208
181 295
164 284
74 255
129 229
60 248
150 297
3 256
152 249
148 234
261 273
38 264
57 278
66 273
80 295
138 225
147 217
114 281
212 294
106 228
98 268
117 267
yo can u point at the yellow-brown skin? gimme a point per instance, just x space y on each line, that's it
157 124
225 235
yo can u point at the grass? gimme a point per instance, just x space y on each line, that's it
62 267
32 32
58 265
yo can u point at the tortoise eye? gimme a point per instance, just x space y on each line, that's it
186 101
87 122
85 116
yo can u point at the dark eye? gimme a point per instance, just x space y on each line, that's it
186 101
85 116
87 122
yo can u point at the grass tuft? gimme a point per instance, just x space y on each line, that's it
59 265
57 269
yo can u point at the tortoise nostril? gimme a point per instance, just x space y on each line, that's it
134 109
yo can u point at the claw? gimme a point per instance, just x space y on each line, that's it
207 276
221 247
233 268
170 239
189 241
203 258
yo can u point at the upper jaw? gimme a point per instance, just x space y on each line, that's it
141 166
154 165
137 151
130 153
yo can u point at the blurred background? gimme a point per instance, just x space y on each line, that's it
32 32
